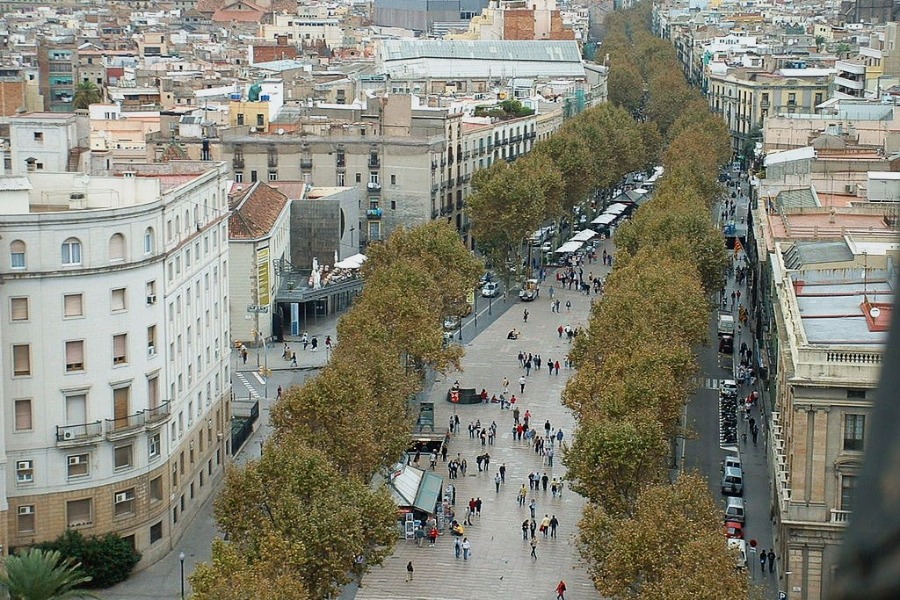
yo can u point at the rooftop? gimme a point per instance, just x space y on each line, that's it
254 211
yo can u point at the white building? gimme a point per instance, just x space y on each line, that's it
115 376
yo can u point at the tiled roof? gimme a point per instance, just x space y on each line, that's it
254 211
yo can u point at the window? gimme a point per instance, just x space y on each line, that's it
73 305
21 360
25 519
240 119
79 512
393 180
71 252
373 177
253 177
124 502
17 254
24 471
260 120
848 484
273 175
39 136
76 409
239 177
78 465
117 248
154 445
155 531
854 431
121 404
122 456
149 241
18 309
151 292
156 489
117 301
358 177
23 415
151 340
74 356
120 346
856 394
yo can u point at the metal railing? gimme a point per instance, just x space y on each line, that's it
73 433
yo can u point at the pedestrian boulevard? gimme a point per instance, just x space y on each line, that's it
500 565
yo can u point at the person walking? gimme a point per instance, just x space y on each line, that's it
763 557
532 506
561 590
409 571
545 526
457 547
502 473
522 381
544 481
771 557
466 548
522 494
534 545
525 525
525 315
497 481
554 523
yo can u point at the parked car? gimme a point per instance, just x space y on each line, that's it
490 290
728 388
451 323
740 546
734 530
486 278
733 481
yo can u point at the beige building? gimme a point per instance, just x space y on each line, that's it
745 98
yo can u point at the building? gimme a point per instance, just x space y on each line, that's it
48 142
824 375
518 20
115 358
57 68
421 15
259 239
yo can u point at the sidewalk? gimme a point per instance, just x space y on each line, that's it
500 565
163 579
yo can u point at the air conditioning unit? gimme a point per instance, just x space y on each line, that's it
151 350
26 510
23 465
123 497
68 435
151 299
75 460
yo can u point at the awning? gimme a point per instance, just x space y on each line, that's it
352 262
569 246
583 236
617 209
414 488
604 219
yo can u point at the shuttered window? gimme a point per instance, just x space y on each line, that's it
75 356
117 248
120 342
19 309
73 305
23 415
21 360
78 512
118 299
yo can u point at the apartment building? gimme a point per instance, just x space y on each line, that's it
116 383
745 97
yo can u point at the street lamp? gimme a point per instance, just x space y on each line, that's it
181 558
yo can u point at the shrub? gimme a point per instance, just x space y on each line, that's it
107 559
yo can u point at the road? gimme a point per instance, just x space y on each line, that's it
701 450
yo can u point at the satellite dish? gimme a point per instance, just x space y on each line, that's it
280 131
874 312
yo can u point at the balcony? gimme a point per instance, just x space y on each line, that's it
467 155
459 205
154 417
272 160
764 104
434 188
306 163
374 187
451 182
374 213
341 162
840 516
374 162
850 84
238 162
77 435
530 135
124 426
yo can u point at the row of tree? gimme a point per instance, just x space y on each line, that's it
304 519
643 536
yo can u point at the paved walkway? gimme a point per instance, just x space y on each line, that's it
163 579
500 565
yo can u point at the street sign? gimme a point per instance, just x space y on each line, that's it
255 308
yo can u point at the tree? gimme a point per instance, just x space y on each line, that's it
626 85
86 94
335 527
37 574
668 93
571 156
647 555
230 575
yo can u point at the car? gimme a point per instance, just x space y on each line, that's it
530 290
739 547
728 388
490 290
486 278
734 530
451 323
731 461
726 344
547 247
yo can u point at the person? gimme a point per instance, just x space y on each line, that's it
303 340
505 384
545 525
497 481
522 381
457 547
525 315
278 394
532 506
409 571
525 525
561 590
315 344
244 354
771 557
544 481
466 546
420 535
554 523
762 561
293 359
484 396
432 536
328 342
568 305
502 473
455 385
512 335
522 494
534 544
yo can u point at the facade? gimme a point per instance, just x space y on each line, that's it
57 67
48 142
518 20
421 15
116 383
825 374
259 237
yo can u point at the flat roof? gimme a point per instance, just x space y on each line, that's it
832 308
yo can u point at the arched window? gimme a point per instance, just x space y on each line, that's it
71 252
149 241
17 254
117 248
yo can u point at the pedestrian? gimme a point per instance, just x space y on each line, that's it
525 315
561 590
457 547
497 481
505 385
545 525
762 561
522 384
771 557
568 305
556 367
443 453
532 525
560 330
432 536
559 436
278 394
754 432
467 548
544 481
554 523
532 506
409 571
244 354
522 494
534 544
525 525
478 506
503 473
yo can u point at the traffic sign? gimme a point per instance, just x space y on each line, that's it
255 308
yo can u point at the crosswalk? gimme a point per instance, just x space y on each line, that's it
707 383
243 379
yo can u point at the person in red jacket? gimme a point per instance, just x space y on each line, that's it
561 590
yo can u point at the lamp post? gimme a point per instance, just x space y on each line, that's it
181 558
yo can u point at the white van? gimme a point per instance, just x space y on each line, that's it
741 547
733 481
731 461
734 509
